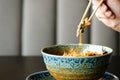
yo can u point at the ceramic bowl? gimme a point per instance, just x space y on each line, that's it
75 68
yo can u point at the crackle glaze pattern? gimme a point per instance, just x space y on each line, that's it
75 68
69 67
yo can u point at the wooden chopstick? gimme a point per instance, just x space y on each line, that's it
95 10
83 17
85 13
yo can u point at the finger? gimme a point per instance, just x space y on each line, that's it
104 13
109 14
99 14
103 8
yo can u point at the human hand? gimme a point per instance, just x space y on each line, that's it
109 13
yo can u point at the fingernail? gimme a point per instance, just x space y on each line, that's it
108 13
103 8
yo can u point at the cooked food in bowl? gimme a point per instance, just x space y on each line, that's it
72 52
63 66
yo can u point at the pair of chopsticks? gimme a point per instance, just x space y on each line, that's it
85 13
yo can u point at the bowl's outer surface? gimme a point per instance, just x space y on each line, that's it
75 68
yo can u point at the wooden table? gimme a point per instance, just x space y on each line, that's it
18 68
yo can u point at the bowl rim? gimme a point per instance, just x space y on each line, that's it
60 56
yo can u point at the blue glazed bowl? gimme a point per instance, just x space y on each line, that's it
75 68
